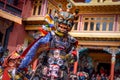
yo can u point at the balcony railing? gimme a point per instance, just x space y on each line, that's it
12 6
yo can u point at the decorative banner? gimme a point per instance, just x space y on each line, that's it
49 19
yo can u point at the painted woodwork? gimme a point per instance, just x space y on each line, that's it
33 17
10 17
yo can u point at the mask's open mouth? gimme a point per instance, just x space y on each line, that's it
63 28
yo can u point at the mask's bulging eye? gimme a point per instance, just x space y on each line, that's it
69 22
60 20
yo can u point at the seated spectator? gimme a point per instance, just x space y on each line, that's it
102 70
118 77
98 77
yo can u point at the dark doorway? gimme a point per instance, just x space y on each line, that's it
1 36
104 68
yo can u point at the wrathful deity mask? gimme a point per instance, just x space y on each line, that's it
63 20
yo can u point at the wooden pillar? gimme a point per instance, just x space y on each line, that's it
44 7
116 23
79 27
112 65
113 52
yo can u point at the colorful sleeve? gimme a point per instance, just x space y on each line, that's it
31 52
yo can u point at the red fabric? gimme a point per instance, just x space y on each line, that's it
6 75
102 71
74 53
80 74
43 31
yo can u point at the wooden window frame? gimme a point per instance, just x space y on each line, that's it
37 8
102 17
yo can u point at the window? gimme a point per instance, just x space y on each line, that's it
37 7
97 26
91 26
85 25
98 23
111 26
104 26
34 11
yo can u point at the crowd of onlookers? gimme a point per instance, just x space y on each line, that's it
100 77
104 77
101 74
